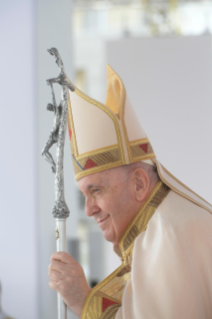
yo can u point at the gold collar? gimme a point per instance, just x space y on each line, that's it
140 221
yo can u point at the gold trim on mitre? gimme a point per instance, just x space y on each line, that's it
124 151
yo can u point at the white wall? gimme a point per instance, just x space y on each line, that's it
169 81
18 186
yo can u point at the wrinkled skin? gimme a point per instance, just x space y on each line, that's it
113 199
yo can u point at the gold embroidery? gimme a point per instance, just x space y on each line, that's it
124 271
133 233
110 312
103 158
96 170
77 169
139 141
94 309
107 157
102 294
98 151
123 121
114 288
85 314
73 141
138 154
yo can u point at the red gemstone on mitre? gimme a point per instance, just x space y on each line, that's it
106 303
144 147
69 132
90 164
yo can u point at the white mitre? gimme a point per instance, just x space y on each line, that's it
110 135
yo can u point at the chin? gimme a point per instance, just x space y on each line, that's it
108 236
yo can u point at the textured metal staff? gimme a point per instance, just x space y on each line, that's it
57 135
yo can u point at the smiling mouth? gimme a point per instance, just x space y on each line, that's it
102 220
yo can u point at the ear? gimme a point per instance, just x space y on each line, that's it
141 184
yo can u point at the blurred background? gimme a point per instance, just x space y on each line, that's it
163 52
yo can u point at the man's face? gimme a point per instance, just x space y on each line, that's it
110 200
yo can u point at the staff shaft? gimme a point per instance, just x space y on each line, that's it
61 246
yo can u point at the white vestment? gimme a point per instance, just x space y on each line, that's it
171 276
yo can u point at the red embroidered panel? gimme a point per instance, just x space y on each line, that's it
106 303
69 132
90 164
144 147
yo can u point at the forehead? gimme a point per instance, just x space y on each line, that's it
103 179
99 179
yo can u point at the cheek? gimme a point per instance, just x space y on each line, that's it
108 203
123 204
116 202
124 197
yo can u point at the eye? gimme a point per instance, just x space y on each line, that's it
95 190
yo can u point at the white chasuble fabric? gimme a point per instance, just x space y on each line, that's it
171 276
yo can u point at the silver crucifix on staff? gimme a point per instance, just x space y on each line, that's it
57 135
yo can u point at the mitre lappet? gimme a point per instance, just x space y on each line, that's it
104 136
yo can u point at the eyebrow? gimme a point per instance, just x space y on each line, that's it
93 186
89 187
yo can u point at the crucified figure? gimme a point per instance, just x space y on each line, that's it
53 137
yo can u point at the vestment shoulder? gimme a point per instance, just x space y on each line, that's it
171 267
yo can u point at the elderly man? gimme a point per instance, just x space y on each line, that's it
160 229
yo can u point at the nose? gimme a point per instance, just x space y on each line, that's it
91 207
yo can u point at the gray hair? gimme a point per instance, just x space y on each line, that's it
150 169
